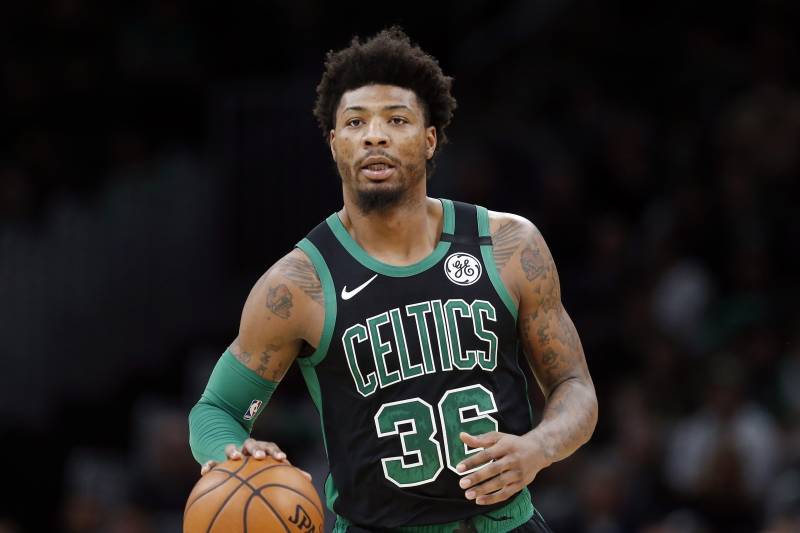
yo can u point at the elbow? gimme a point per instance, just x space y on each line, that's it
593 411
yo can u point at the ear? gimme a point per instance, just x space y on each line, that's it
331 137
430 141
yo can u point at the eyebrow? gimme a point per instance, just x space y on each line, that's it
388 107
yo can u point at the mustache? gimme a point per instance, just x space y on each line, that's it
379 153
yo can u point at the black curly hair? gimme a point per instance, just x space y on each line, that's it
387 58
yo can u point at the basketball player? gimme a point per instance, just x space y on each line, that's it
404 313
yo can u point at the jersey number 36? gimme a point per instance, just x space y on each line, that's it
465 409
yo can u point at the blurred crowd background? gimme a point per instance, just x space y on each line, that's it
156 157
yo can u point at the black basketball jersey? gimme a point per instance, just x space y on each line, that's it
411 356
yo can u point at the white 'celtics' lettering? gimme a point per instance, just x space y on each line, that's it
383 351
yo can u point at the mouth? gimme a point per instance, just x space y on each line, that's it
377 169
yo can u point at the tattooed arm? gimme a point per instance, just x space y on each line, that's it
554 350
282 315
283 312
555 354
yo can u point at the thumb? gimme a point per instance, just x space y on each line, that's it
207 467
480 441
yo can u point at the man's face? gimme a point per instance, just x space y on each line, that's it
380 145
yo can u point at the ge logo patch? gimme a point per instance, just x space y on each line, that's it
462 269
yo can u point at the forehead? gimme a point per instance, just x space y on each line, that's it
379 96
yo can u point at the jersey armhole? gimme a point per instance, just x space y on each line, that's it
488 260
329 294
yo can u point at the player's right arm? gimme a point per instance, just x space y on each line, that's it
283 315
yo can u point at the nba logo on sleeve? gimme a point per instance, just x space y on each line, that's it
462 269
252 410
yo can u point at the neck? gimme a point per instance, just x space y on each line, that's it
401 235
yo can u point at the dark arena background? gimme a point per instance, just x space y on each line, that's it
157 156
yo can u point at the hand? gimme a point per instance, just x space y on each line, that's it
257 449
509 464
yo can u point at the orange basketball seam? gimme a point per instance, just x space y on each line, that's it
231 475
271 508
256 492
218 485
242 482
221 507
292 489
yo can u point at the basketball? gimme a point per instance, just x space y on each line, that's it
256 496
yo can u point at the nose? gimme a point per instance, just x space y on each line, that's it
375 135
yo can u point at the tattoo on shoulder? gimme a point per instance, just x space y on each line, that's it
301 272
532 262
279 300
505 241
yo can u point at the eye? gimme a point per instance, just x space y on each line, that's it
354 122
398 121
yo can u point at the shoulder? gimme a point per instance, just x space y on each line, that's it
521 256
297 269
508 225
282 312
512 235
288 295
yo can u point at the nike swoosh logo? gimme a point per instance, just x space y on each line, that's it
346 295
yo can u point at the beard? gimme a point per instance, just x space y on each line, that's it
377 199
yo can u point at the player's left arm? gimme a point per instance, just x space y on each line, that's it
552 346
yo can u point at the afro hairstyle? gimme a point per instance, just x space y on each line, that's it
388 58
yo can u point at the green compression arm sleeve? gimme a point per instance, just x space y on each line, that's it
228 408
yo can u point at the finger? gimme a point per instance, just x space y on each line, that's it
232 452
480 441
487 472
247 446
261 449
491 485
481 458
499 496
306 474
484 456
207 466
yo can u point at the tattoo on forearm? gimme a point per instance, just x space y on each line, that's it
279 300
302 274
505 241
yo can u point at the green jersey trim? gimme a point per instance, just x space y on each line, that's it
314 390
360 255
491 267
329 293
512 515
